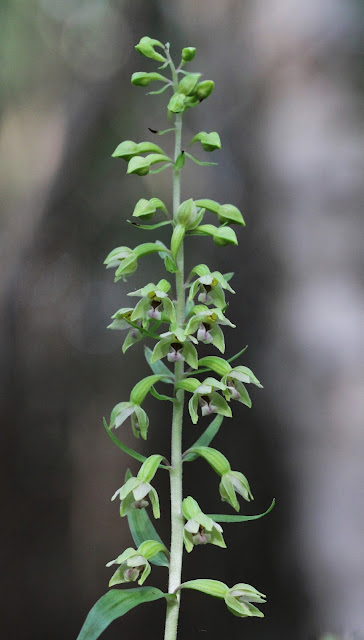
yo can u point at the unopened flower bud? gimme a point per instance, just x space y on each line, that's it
187 214
188 54
204 89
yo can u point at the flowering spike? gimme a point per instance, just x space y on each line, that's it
179 316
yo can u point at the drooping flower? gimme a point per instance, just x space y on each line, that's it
176 345
209 287
207 323
239 598
133 494
231 483
134 563
154 304
234 378
206 396
199 528
139 418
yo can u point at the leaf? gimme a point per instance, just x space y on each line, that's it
160 396
162 168
205 439
199 162
113 605
237 355
161 133
221 517
142 529
158 91
158 368
123 447
149 227
213 588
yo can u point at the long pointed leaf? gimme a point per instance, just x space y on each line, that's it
142 529
113 605
220 517
205 439
237 355
123 447
160 396
199 162
149 227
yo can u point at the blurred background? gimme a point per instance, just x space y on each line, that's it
287 105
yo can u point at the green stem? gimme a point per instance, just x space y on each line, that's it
177 521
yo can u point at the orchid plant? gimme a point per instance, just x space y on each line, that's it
177 320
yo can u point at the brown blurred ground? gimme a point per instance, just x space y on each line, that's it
287 107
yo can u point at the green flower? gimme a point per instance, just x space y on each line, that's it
199 528
231 483
123 259
176 345
207 324
236 390
238 600
133 563
133 494
133 566
139 419
154 304
232 377
205 397
120 321
209 286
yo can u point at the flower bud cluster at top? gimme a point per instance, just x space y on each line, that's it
155 317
